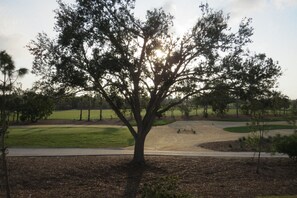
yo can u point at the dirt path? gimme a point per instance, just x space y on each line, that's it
166 137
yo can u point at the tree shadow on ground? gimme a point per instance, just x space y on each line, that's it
137 174
134 175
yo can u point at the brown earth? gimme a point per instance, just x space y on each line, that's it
114 176
234 146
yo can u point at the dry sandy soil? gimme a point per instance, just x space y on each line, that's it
167 138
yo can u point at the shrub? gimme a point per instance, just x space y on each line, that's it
287 145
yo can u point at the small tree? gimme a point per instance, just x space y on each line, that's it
258 127
8 76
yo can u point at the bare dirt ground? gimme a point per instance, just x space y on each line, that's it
114 176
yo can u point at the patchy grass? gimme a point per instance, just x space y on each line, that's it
69 137
247 129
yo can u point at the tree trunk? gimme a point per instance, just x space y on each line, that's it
100 110
13 117
138 157
18 117
4 164
100 114
237 108
260 150
3 131
89 109
80 114
89 114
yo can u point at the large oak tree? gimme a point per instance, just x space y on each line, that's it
101 46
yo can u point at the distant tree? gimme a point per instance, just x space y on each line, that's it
252 77
293 115
102 47
81 104
36 106
85 104
204 101
167 101
8 76
285 103
185 108
195 101
279 103
220 98
15 106
66 103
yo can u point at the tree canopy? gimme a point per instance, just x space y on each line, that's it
101 46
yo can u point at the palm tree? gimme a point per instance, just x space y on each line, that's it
9 75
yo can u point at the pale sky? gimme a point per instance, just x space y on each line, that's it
274 22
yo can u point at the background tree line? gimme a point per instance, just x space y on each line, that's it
27 106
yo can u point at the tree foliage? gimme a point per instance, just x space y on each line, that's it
8 76
35 107
252 78
101 46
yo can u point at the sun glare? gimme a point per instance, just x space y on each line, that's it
160 54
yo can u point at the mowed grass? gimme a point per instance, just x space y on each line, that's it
248 129
74 114
110 114
107 114
69 137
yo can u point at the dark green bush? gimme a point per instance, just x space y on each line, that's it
287 145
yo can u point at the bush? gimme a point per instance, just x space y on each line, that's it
165 187
287 145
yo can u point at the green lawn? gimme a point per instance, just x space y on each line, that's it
107 114
69 137
247 129
74 114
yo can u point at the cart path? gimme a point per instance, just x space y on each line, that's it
59 152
